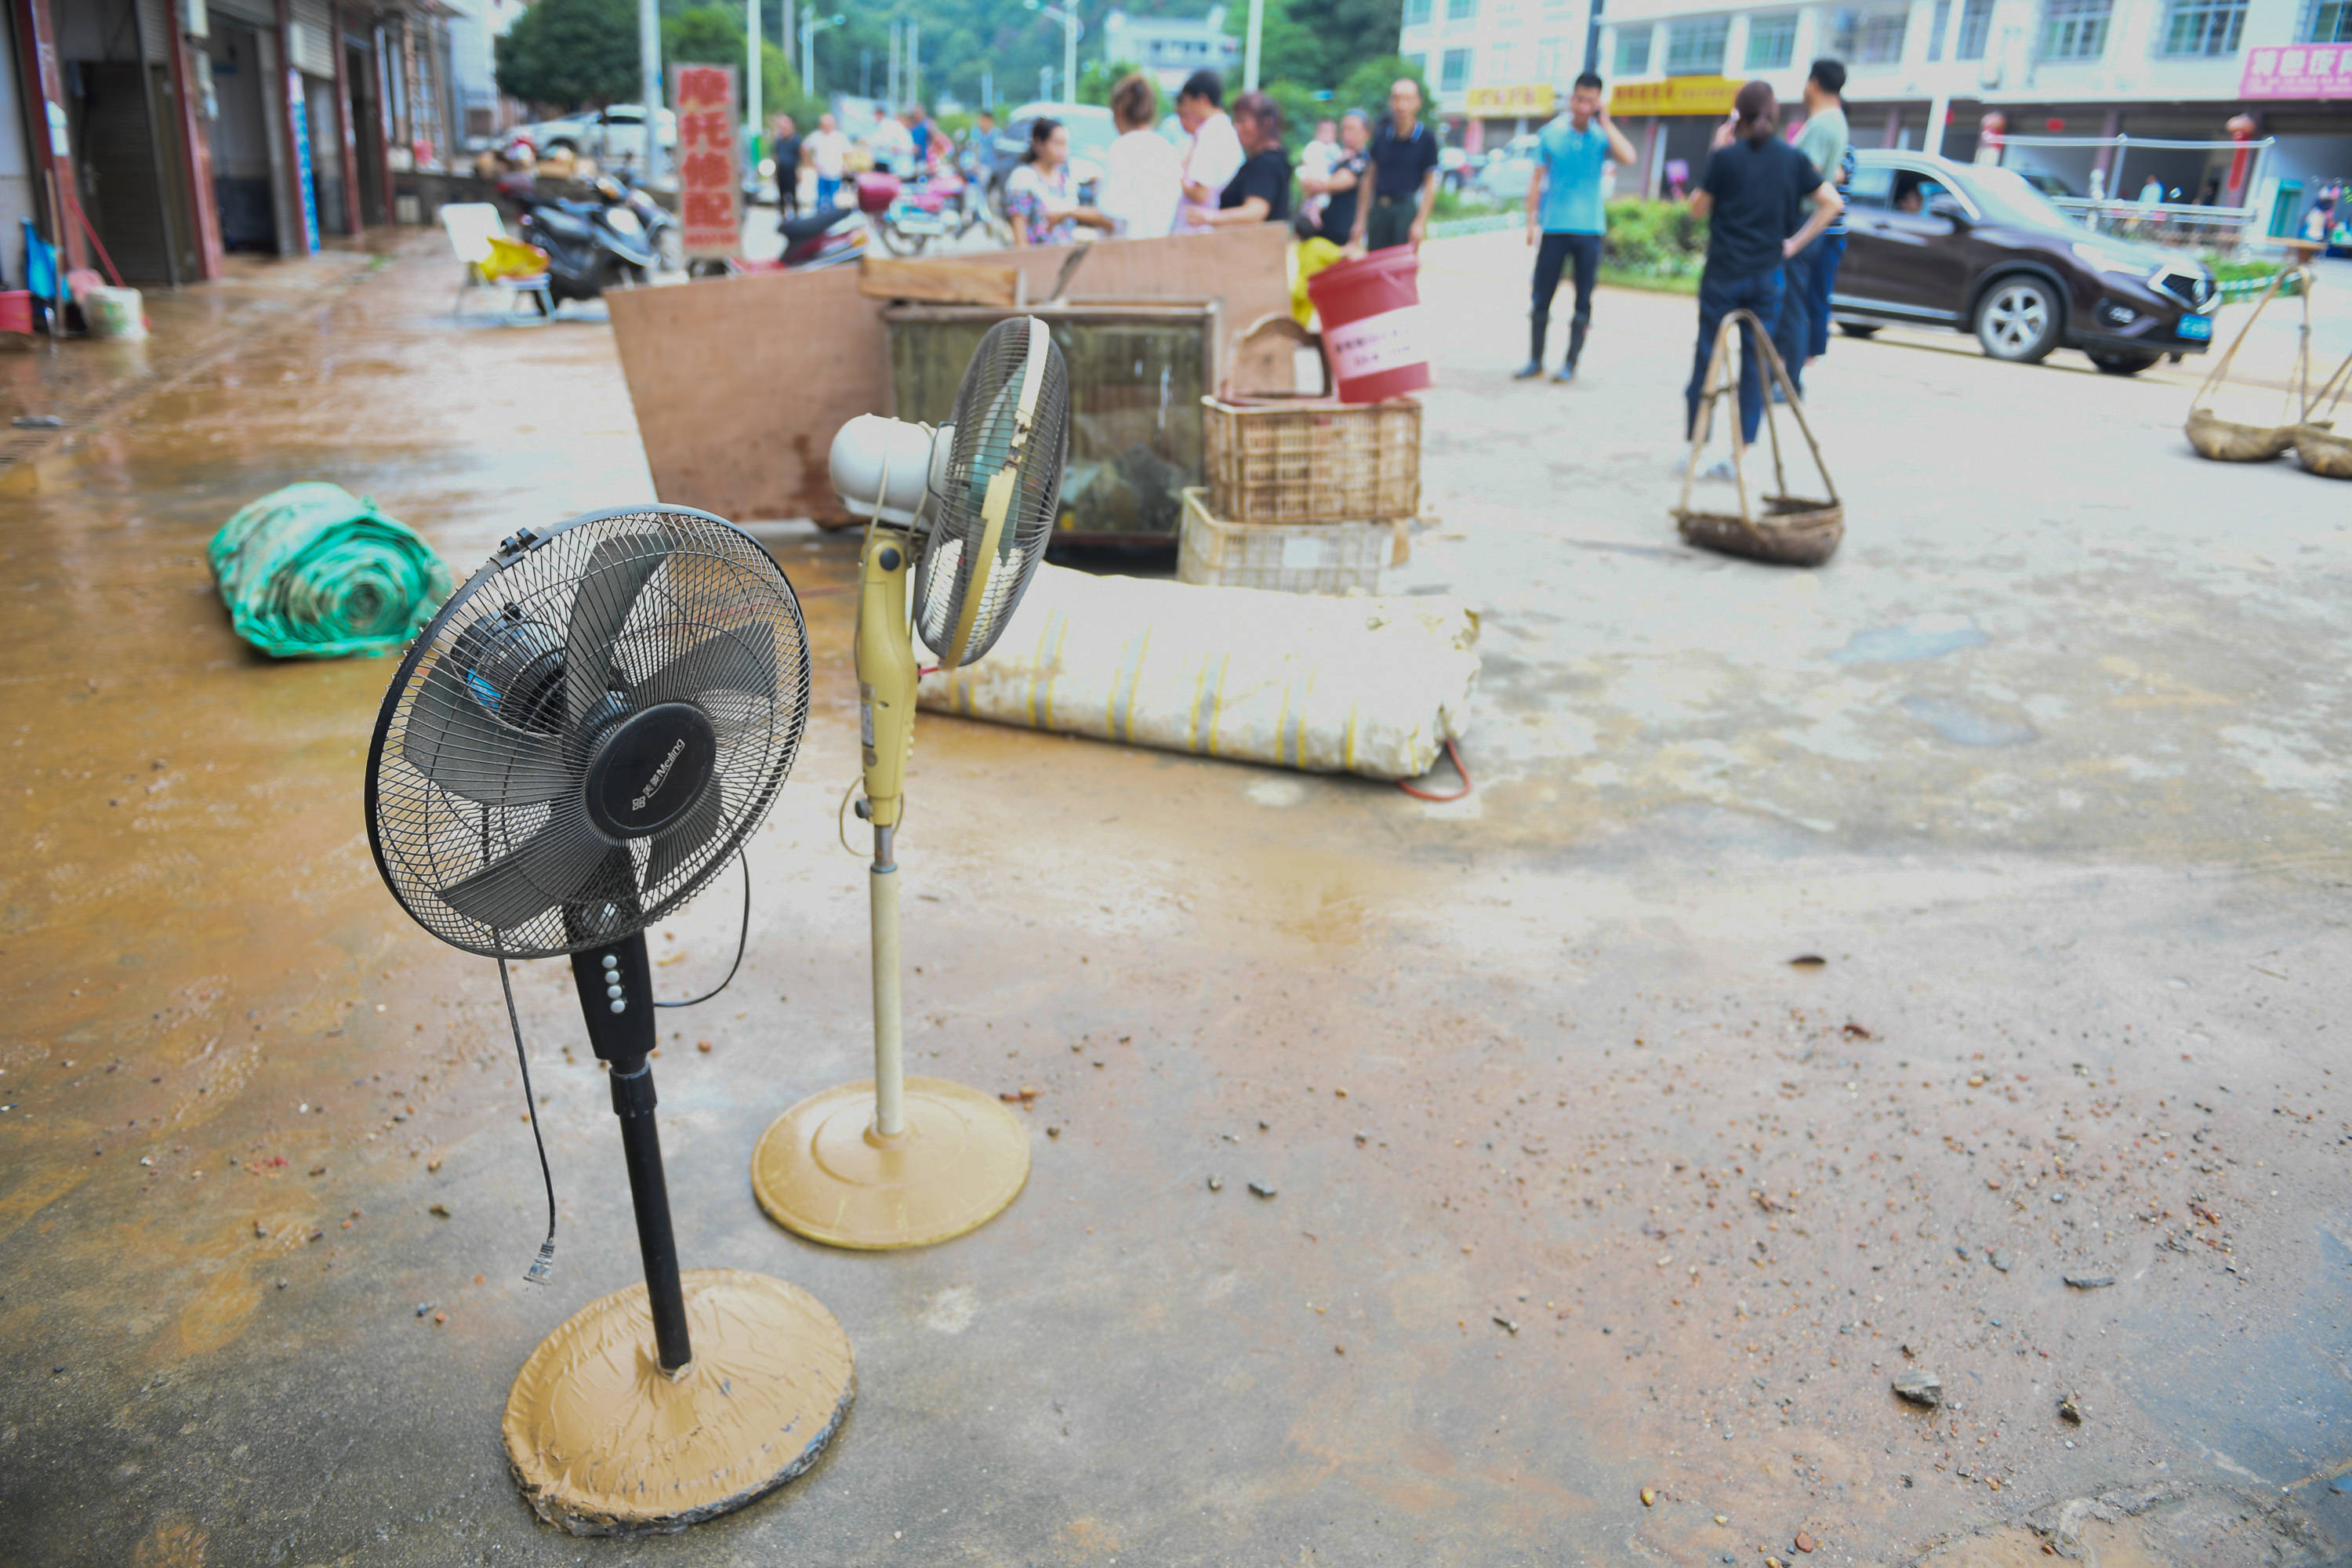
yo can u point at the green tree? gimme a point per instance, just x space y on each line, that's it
1366 87
564 54
1096 78
713 35
1316 42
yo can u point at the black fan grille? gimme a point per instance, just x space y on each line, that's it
984 427
477 775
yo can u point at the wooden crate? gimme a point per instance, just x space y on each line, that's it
1311 461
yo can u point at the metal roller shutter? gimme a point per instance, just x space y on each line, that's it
314 38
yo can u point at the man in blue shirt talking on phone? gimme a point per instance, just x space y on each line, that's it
1564 204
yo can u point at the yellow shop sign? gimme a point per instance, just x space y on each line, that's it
1675 95
1528 98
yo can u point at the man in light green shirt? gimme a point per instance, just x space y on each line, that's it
1802 331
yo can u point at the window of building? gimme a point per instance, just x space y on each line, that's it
1552 57
1771 41
1633 51
1457 73
2203 26
1498 64
1696 47
1870 37
1937 29
1976 22
1416 13
1461 10
2325 22
2074 30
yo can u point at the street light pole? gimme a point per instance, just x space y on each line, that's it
1249 58
649 78
1070 53
752 79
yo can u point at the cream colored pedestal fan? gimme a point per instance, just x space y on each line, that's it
900 1161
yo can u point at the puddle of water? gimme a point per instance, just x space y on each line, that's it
1964 726
1921 636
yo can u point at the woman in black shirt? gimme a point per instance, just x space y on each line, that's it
1750 196
1260 191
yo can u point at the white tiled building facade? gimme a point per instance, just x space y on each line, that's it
2152 68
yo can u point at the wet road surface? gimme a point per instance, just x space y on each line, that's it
1583 1185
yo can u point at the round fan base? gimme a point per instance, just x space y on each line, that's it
822 1171
603 1442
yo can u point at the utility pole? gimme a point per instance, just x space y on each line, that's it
791 52
890 70
914 60
1046 83
751 81
649 81
1249 57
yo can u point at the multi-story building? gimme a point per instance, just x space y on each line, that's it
1173 47
1497 67
2065 77
1928 73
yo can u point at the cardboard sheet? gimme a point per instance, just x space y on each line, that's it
739 383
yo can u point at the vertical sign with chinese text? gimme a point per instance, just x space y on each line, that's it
709 180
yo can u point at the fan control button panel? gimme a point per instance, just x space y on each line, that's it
616 998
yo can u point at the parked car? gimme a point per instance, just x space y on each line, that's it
2049 184
613 134
1509 170
1977 248
1453 169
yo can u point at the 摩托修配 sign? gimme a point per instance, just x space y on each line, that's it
1519 98
2299 70
710 176
1675 95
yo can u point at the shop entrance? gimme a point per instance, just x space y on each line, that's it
241 160
367 118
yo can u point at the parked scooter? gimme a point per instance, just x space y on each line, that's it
663 235
591 245
910 214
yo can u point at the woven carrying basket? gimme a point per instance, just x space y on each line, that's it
1790 531
1297 458
2226 441
2317 446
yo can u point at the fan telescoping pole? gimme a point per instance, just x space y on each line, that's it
886 693
616 996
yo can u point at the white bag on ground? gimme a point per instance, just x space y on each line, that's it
1370 686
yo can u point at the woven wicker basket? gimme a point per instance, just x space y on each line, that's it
1302 457
2317 446
1791 531
2225 441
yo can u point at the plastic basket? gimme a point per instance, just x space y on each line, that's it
1312 461
1287 457
1292 558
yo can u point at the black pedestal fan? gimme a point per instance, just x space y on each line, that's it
572 749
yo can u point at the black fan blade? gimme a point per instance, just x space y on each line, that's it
552 866
617 571
723 662
453 741
675 848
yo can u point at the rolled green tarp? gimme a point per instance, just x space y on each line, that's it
315 572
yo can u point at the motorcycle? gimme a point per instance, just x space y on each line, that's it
591 245
830 237
910 214
662 234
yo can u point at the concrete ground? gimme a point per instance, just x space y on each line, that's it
1602 1224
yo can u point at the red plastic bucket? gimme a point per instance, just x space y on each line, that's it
1371 309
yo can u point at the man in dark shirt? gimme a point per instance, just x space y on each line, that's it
1749 196
1404 185
784 147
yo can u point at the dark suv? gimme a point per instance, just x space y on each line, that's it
1977 248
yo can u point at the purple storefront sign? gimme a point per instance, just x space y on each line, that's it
2308 70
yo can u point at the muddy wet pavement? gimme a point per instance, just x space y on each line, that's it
1923 969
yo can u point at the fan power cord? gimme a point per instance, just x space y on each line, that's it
543 1267
742 933
1406 784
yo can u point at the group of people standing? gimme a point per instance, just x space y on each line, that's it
1775 227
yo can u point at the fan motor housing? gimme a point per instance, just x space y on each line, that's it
646 770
